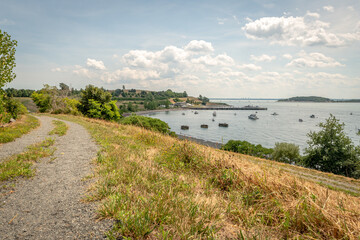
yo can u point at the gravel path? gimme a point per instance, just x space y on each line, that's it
35 136
49 206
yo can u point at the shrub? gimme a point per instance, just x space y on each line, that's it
42 100
10 108
245 147
95 103
286 152
148 123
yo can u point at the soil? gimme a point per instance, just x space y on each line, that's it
50 205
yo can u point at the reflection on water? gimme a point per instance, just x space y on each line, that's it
284 126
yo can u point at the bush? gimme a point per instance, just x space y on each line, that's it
14 107
10 108
148 123
286 152
245 147
95 103
42 100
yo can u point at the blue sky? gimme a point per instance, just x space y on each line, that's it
214 48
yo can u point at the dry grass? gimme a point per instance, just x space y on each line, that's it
158 187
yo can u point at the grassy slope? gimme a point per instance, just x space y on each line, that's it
158 187
22 126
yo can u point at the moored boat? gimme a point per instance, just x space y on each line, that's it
253 116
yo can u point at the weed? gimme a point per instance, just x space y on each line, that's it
60 128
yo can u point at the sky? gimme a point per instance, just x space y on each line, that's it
231 49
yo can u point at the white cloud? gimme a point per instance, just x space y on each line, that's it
129 74
81 71
312 14
196 46
221 21
250 66
287 56
324 75
6 22
219 60
95 64
329 8
304 31
56 69
262 58
313 60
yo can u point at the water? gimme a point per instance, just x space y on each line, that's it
268 129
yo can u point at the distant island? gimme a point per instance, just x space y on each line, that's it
306 99
316 99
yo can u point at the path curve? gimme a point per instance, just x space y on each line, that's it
49 206
37 135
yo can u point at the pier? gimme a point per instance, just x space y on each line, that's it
228 108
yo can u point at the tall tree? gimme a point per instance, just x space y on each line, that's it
7 58
330 150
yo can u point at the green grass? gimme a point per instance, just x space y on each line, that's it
60 128
157 187
20 165
19 128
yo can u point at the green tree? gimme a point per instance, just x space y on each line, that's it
286 152
330 150
96 103
7 58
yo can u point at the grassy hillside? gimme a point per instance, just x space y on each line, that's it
159 187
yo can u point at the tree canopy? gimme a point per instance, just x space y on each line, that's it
7 58
330 150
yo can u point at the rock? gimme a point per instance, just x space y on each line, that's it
12 120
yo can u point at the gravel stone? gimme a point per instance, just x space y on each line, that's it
50 206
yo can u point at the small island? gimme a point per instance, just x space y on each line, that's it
306 99
318 99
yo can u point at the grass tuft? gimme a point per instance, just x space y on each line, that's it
20 165
19 128
60 128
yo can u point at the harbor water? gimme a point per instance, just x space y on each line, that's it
267 129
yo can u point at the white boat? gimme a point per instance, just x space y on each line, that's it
253 116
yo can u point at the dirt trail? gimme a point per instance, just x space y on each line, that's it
49 206
35 136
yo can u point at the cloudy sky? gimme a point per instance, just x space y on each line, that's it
227 48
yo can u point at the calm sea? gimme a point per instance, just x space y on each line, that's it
268 129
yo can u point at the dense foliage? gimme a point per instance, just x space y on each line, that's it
330 150
7 58
286 152
54 100
12 92
148 123
9 108
245 147
96 103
